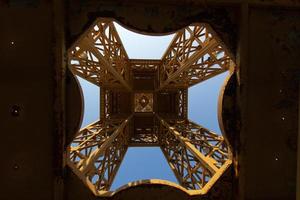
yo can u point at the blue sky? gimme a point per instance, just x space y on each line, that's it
149 162
91 98
203 102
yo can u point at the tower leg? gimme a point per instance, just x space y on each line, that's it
97 151
197 156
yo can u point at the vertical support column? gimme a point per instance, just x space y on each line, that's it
59 161
298 153
242 62
181 103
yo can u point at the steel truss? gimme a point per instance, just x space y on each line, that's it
97 151
144 65
194 55
182 96
99 57
197 156
105 109
144 139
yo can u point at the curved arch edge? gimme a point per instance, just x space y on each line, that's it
220 106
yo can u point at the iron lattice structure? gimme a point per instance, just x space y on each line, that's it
144 103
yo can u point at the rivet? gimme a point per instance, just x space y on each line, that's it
15 110
12 42
276 159
282 118
16 167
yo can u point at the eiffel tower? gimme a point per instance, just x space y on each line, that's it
144 103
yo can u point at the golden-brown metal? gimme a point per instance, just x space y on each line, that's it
99 56
144 65
194 55
105 109
97 151
197 156
182 103
143 102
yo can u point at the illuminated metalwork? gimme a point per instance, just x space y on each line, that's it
145 65
194 55
97 151
182 103
99 56
197 156
143 102
105 109
144 139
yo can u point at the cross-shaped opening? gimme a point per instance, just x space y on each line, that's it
144 102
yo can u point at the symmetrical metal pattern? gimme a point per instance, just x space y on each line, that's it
97 151
197 156
144 139
144 65
143 102
182 103
105 103
100 57
193 56
208 143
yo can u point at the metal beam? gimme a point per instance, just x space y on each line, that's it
195 54
185 65
144 139
97 152
104 62
182 100
144 64
298 154
206 161
99 56
197 156
88 164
